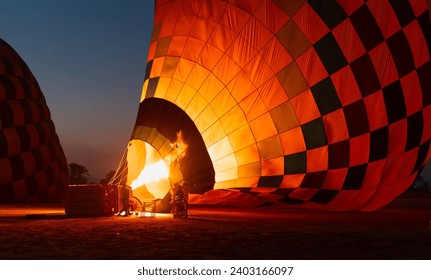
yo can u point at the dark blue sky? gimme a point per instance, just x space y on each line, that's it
89 57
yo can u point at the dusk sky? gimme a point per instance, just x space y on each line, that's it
89 58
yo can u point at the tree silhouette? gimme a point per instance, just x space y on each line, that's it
78 174
108 177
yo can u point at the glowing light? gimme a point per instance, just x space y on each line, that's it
154 215
151 173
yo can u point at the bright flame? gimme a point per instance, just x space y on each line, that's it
151 173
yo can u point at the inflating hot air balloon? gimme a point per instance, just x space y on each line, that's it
33 166
314 104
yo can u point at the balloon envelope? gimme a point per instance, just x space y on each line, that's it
316 104
33 166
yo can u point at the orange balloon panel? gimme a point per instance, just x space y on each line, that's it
317 104
33 166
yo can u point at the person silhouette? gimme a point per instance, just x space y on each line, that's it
125 197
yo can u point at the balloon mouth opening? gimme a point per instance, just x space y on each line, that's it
172 137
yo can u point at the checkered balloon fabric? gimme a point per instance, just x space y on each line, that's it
33 167
318 104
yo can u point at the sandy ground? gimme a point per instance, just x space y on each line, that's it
398 231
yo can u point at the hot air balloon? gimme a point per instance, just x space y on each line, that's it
33 166
313 104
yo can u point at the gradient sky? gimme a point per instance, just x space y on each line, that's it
89 57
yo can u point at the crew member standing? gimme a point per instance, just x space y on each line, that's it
125 201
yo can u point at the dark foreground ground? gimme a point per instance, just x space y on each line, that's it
399 231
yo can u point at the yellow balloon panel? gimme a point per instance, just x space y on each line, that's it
214 134
233 119
196 106
162 87
247 182
225 163
241 138
207 118
226 175
184 67
185 96
248 155
249 170
220 149
174 89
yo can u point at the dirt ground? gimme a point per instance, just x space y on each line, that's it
398 231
